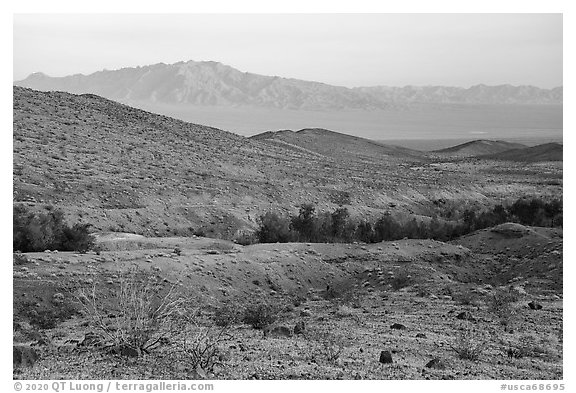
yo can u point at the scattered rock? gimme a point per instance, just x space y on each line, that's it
24 356
465 316
385 357
534 306
125 350
305 313
58 298
299 328
398 326
420 335
519 290
436 363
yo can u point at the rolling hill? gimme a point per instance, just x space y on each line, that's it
479 147
540 153
335 145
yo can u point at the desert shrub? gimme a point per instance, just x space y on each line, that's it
330 345
204 347
19 259
343 291
48 231
273 229
246 239
466 298
401 280
469 345
227 315
47 317
261 314
527 345
501 305
77 238
147 315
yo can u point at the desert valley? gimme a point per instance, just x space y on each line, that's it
191 252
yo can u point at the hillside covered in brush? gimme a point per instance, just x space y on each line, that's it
127 170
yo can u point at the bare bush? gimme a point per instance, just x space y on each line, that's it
204 347
528 345
501 305
147 314
329 344
261 314
469 344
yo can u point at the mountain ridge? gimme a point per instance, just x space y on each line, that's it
210 83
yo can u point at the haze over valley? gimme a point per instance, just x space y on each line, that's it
221 96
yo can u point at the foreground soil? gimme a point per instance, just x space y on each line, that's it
346 297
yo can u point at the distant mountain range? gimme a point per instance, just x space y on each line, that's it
209 83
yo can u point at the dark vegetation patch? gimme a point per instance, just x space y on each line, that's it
39 231
339 227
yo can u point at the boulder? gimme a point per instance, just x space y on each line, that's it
385 357
299 328
436 363
534 306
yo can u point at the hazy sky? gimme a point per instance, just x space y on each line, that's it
340 49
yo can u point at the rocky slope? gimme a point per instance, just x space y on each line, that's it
123 169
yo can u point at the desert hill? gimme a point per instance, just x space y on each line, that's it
480 147
214 84
126 170
540 153
336 145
